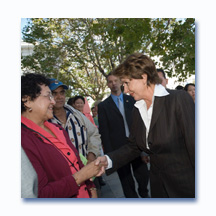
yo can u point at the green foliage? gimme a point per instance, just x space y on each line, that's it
81 52
175 43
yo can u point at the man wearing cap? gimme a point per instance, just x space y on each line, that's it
83 134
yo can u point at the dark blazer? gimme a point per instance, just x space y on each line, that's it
111 123
172 145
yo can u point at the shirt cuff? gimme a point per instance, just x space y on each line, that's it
109 161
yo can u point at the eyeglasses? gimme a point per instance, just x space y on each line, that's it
49 96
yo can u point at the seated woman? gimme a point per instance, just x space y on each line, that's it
59 169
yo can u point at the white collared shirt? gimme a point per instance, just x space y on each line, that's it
146 114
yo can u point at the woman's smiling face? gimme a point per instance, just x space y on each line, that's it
79 104
135 87
42 106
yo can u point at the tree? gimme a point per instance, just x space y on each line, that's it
81 52
175 43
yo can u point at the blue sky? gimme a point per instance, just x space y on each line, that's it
24 21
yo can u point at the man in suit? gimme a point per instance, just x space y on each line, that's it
114 129
162 75
163 126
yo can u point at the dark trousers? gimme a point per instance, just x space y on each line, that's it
141 175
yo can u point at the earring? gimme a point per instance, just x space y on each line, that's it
30 109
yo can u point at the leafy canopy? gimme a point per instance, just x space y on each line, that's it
82 51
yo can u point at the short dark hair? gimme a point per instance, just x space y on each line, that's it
109 74
186 86
179 87
31 86
135 66
162 71
70 101
78 97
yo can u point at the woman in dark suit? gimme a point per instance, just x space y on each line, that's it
163 126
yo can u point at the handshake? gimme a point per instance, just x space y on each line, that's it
102 163
92 169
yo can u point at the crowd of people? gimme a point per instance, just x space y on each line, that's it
65 149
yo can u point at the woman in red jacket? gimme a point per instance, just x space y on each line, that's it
59 169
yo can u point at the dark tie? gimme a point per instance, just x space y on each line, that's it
121 109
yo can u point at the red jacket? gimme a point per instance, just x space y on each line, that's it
54 175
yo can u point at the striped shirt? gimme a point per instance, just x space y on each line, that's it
75 129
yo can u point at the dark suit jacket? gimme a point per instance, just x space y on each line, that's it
172 145
111 123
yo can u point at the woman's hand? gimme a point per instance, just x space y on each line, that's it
90 157
90 170
103 162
